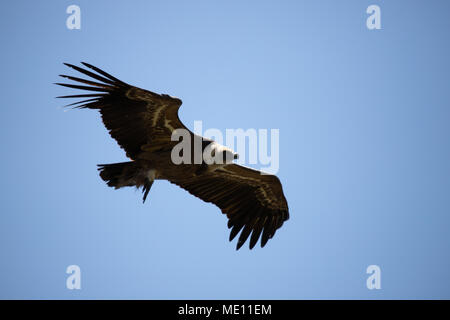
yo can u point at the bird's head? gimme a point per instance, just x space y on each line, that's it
219 154
229 155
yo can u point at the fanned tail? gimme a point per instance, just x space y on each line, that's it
125 174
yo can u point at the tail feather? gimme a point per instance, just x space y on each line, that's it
146 189
125 174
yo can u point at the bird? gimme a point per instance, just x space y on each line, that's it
143 122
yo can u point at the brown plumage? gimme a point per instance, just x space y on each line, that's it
142 123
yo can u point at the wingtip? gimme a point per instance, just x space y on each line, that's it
239 244
234 232
68 64
86 64
264 242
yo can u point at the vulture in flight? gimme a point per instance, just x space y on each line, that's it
142 122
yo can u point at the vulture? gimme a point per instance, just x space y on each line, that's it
143 124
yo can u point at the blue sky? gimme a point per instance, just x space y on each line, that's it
364 149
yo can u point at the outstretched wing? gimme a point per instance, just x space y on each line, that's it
134 117
253 202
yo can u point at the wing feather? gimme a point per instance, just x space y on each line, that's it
254 203
134 117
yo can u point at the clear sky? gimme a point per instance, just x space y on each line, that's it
364 149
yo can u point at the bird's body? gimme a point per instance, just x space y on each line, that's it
143 123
